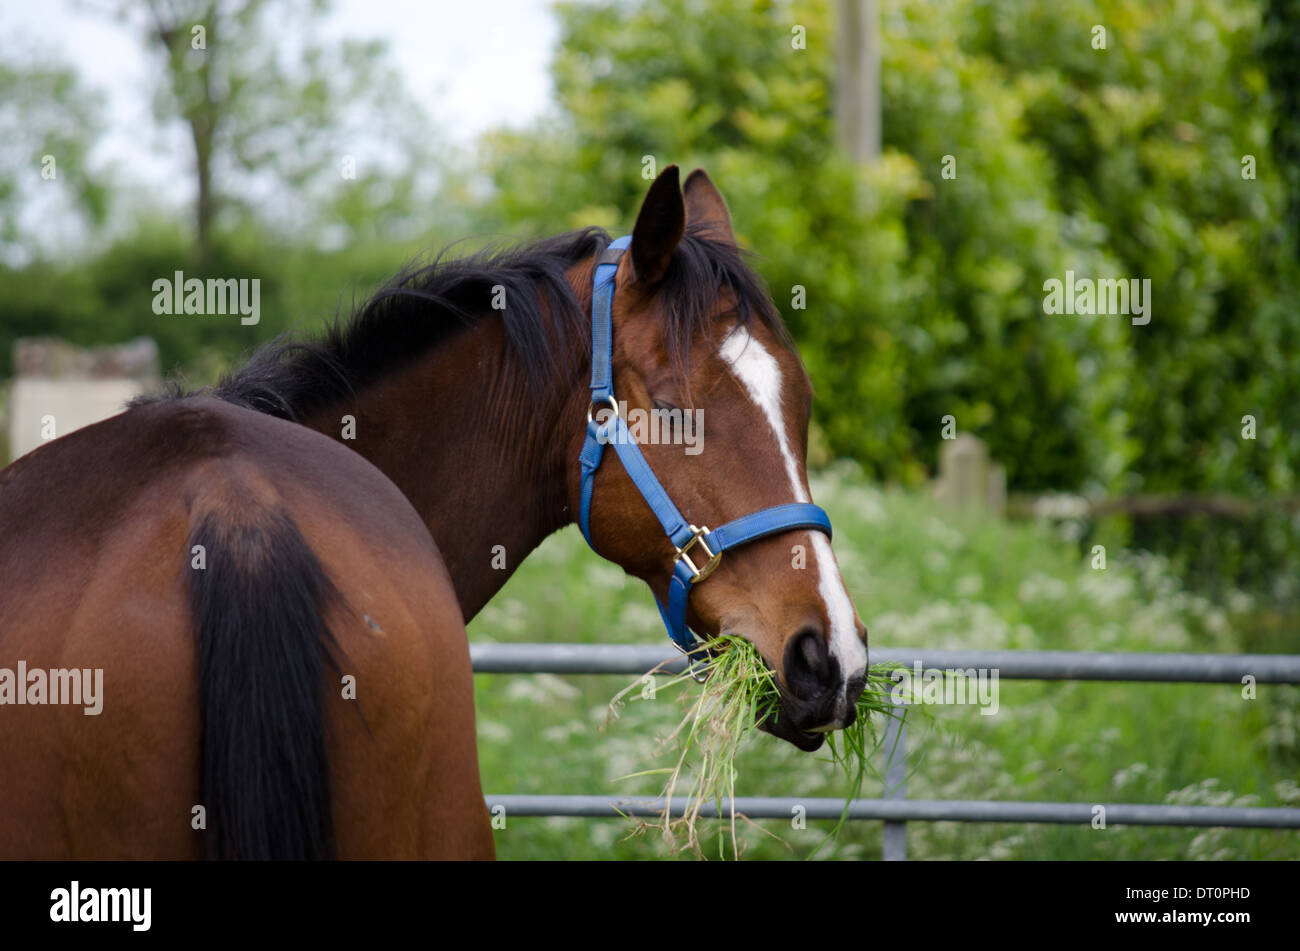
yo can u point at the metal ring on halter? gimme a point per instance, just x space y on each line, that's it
698 669
608 400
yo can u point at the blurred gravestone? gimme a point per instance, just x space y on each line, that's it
967 476
59 387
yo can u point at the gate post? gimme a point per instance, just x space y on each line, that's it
894 848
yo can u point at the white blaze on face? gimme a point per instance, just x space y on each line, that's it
760 374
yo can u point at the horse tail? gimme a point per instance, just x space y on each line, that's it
258 597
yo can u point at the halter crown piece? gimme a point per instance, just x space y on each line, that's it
691 542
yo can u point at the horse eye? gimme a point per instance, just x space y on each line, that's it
664 405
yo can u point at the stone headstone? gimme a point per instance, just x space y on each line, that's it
967 476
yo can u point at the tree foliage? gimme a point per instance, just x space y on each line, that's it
925 289
283 120
45 171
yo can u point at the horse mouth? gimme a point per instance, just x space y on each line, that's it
780 723
783 728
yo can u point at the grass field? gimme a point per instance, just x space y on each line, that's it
921 577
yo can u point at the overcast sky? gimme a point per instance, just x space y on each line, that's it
472 64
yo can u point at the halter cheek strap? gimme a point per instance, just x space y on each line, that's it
699 549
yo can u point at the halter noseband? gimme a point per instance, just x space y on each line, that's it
691 542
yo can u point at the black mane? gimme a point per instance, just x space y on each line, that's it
422 306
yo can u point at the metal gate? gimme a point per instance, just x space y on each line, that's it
895 809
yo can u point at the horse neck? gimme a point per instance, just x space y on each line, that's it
488 477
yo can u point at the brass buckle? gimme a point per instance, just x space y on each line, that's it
698 574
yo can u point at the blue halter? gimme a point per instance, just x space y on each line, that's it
685 537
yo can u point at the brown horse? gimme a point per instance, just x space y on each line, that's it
285 668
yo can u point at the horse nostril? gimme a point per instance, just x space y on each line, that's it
809 671
811 649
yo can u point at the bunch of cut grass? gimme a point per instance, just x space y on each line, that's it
739 693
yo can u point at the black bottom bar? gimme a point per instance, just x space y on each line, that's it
438 902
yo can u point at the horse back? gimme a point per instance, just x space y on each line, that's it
284 666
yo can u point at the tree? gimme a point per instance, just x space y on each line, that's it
1280 48
283 124
49 124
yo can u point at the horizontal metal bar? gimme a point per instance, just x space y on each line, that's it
573 659
1010 665
1113 665
914 810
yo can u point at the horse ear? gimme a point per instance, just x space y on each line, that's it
704 206
659 227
